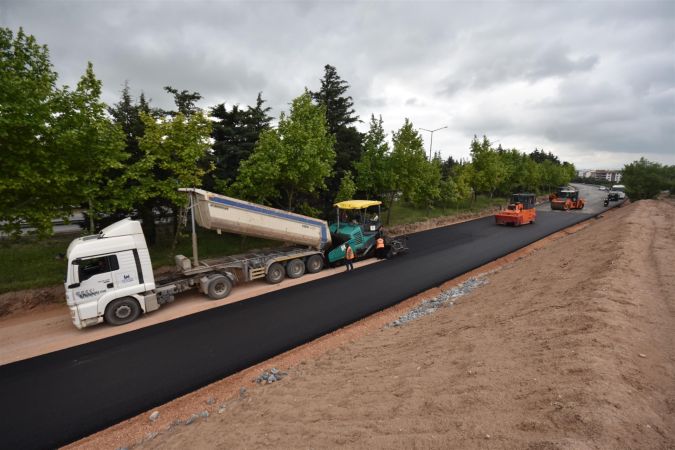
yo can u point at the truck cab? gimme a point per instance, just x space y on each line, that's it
617 192
108 274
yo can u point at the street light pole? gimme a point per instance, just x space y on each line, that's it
431 141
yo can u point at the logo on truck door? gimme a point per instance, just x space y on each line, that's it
89 293
125 278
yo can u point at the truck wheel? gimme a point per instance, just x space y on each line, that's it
275 274
295 268
121 311
219 287
314 264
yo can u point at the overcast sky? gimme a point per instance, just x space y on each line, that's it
591 81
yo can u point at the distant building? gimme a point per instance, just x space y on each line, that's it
612 176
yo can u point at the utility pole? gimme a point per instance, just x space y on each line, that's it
431 141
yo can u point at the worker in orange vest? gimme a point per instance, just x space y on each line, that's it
379 248
349 258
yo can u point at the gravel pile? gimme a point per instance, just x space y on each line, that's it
270 377
445 298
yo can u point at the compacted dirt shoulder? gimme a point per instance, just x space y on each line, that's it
571 347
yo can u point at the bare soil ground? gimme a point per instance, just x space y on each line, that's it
569 347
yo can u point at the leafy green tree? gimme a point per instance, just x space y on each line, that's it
373 171
489 172
347 188
669 172
34 183
185 101
340 117
456 187
89 143
407 160
293 159
235 134
448 166
339 107
531 174
645 179
568 172
552 175
539 156
428 191
128 114
174 151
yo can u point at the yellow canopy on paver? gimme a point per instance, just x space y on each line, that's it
357 204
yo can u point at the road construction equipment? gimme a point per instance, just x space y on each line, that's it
358 223
520 211
558 192
568 199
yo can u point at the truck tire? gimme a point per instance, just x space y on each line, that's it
314 264
275 273
219 287
295 268
121 311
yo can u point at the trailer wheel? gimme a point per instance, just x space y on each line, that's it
314 264
121 311
219 287
275 274
295 268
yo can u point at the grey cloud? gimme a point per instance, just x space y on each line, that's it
611 62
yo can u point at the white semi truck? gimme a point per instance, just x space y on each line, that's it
110 276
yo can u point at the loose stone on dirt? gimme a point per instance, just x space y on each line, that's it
445 298
154 416
267 377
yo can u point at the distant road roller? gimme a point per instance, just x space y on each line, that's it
568 199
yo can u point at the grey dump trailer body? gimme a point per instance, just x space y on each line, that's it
222 213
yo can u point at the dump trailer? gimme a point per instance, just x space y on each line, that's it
567 199
110 277
520 211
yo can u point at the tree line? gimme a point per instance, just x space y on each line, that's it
63 148
646 179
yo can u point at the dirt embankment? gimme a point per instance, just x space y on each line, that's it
571 347
28 299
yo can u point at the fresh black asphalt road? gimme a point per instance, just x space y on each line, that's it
59 397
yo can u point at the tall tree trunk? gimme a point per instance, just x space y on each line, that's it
92 228
177 218
149 228
290 200
390 206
